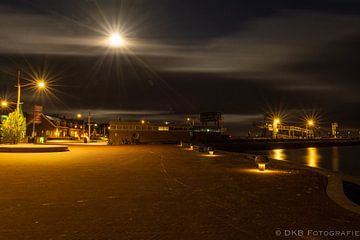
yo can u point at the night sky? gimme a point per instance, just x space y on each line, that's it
183 57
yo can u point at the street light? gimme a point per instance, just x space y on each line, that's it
4 103
276 122
310 123
41 85
115 40
190 121
79 116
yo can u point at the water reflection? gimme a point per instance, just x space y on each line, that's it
338 159
335 159
312 157
278 154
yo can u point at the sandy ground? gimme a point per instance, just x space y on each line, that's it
159 192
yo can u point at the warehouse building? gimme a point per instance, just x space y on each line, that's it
130 132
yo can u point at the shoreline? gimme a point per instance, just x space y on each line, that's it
337 188
246 145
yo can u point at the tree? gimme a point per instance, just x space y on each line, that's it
14 128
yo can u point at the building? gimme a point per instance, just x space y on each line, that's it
211 128
126 132
55 127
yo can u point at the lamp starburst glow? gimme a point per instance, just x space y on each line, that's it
41 84
276 120
4 103
116 40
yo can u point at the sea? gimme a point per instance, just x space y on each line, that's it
345 159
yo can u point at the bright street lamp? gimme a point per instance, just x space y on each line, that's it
116 40
4 103
310 123
41 85
276 122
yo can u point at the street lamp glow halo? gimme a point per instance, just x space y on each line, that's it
4 103
41 84
116 40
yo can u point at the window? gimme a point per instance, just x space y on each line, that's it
161 128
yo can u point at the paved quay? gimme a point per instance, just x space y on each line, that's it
159 192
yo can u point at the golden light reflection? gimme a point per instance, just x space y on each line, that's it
278 154
312 157
209 155
267 171
335 159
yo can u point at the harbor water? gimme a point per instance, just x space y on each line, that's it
344 159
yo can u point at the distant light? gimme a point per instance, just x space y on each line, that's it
116 40
79 115
188 119
142 121
211 152
167 122
276 120
311 123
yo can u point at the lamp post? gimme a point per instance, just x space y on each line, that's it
276 122
79 116
18 93
40 84
190 121
309 124
89 125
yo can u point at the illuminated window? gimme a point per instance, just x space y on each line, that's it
163 128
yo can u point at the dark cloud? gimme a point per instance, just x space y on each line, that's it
187 56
